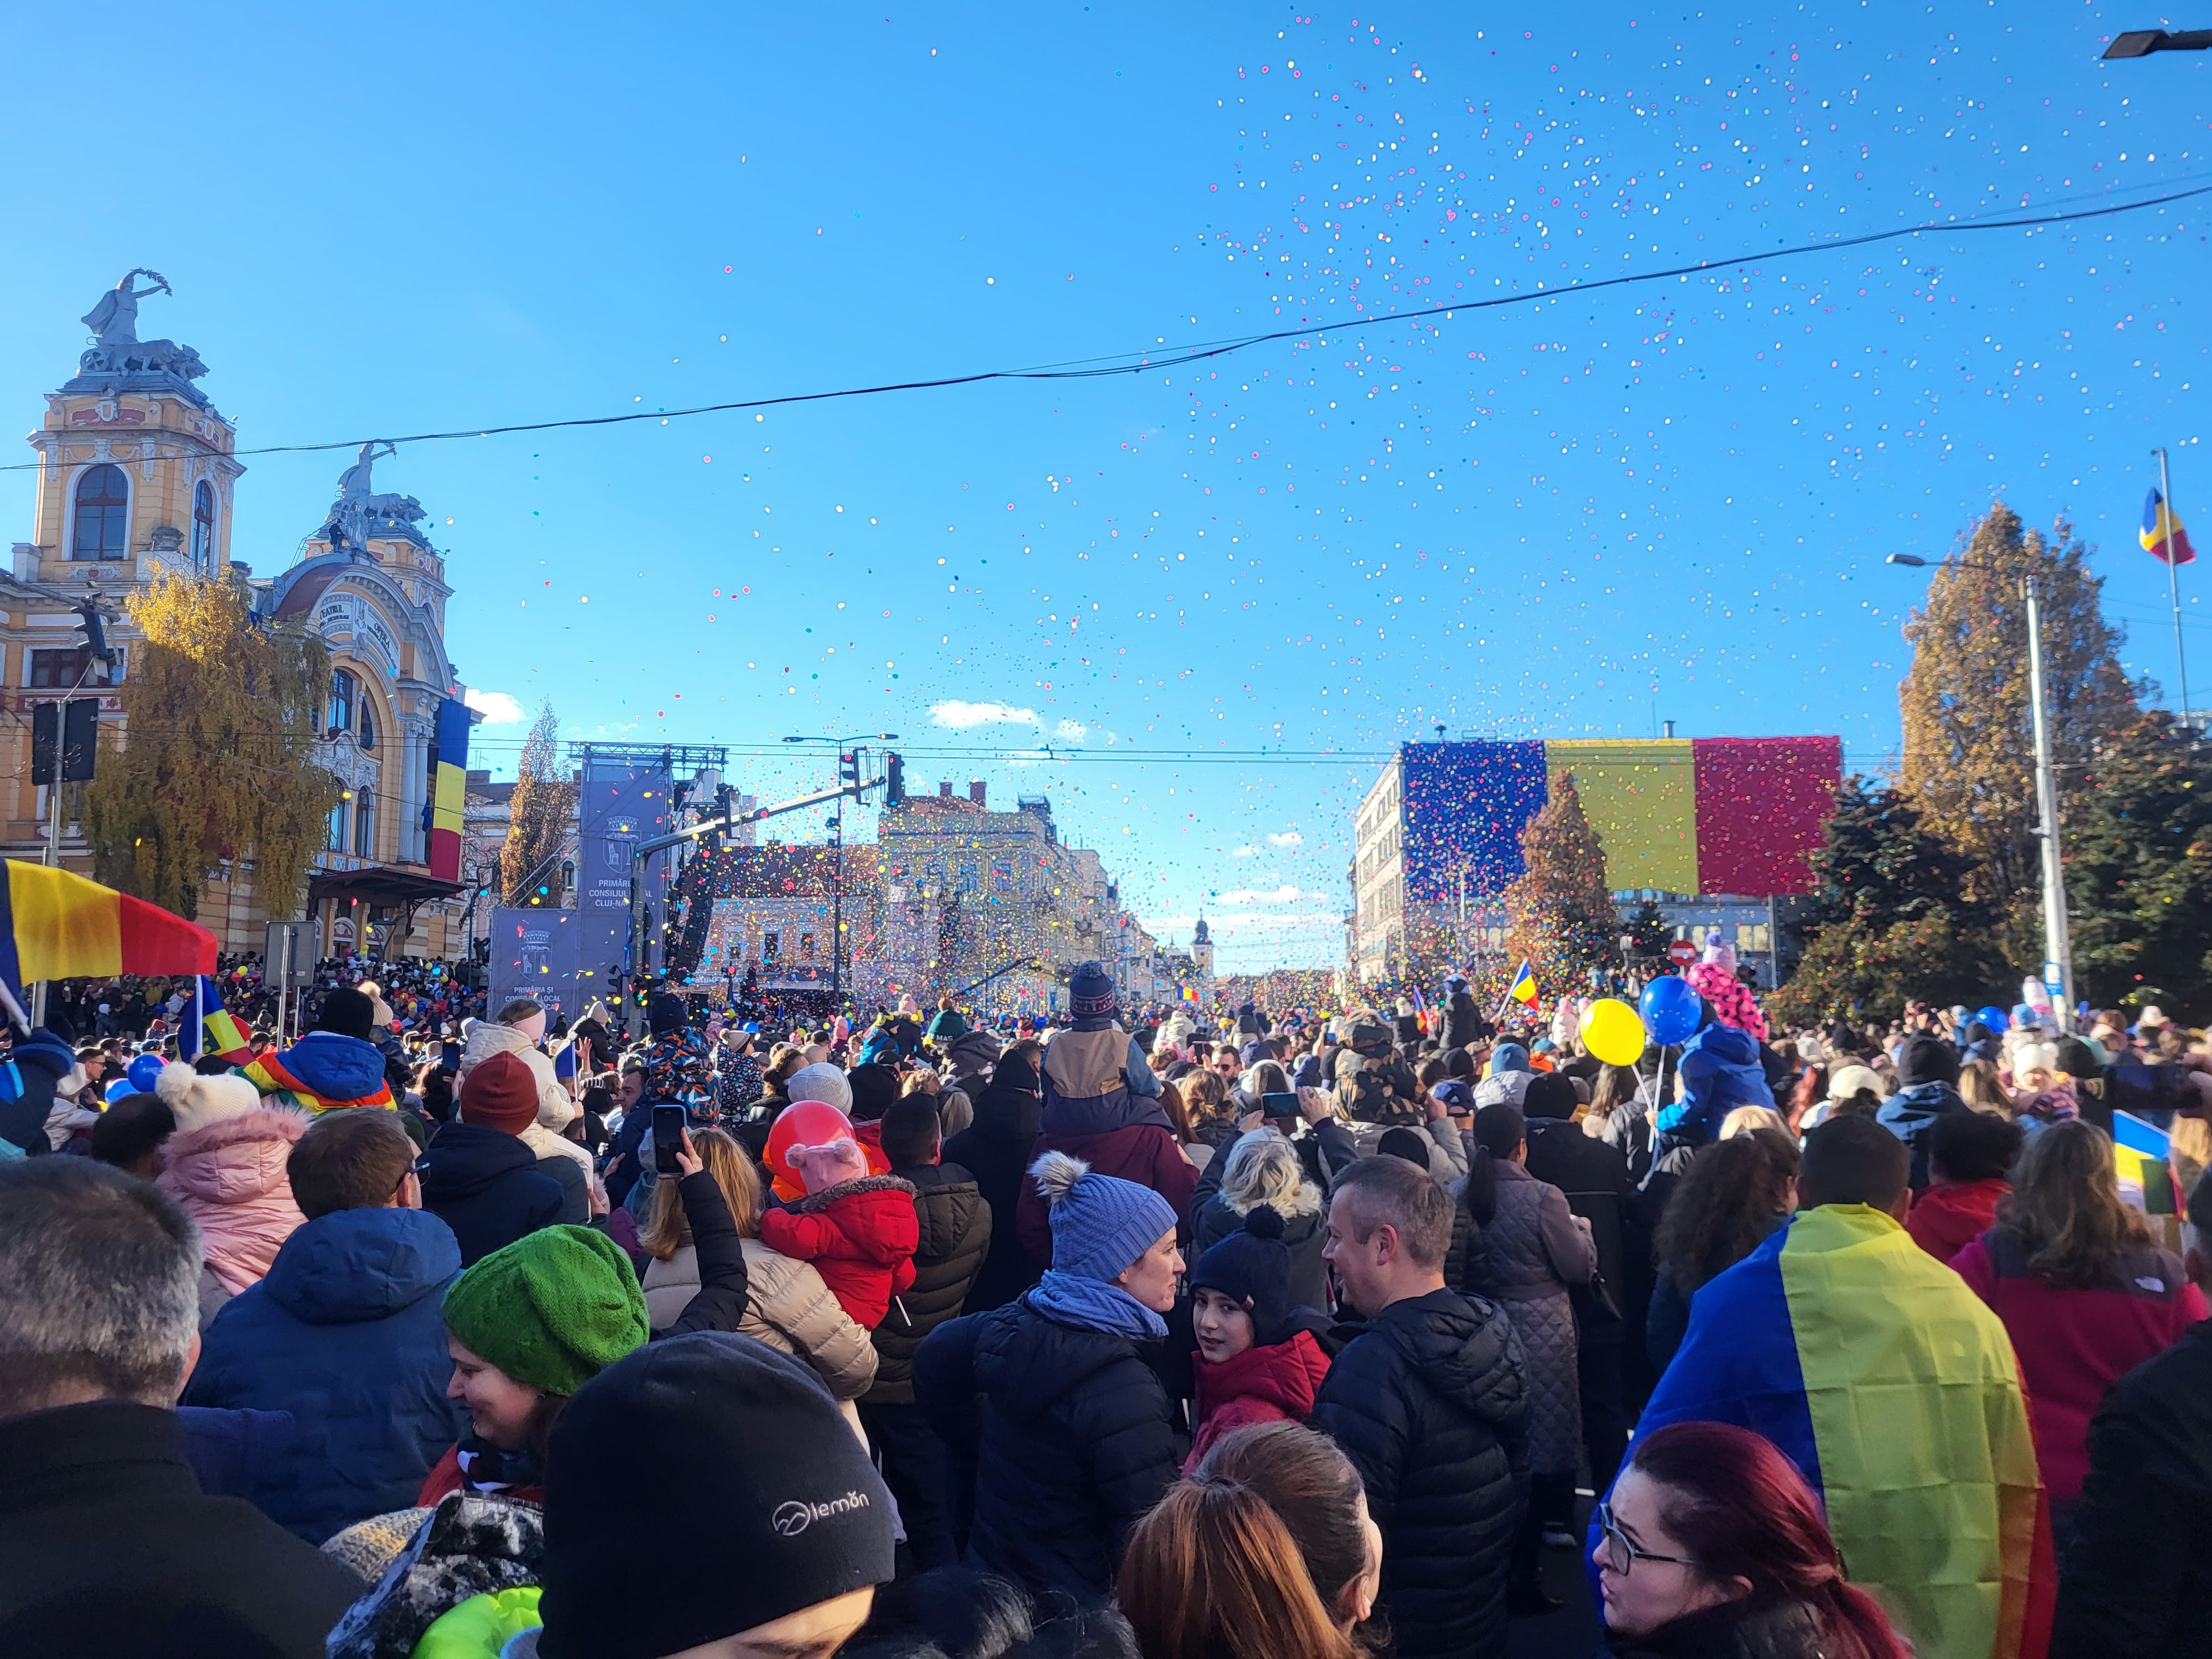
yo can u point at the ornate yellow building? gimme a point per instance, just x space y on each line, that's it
137 476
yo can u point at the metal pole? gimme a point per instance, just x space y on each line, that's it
2172 580
1773 948
837 910
2057 949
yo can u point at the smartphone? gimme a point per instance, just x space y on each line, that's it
1272 1105
668 1138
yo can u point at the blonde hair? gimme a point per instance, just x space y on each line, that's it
666 1231
1263 1168
2065 1204
1745 1119
1980 1088
918 1083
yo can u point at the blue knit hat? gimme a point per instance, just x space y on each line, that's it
1508 1057
1089 991
1100 1224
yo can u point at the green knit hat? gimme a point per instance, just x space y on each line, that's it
553 1310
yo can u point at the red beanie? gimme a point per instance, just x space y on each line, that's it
501 1093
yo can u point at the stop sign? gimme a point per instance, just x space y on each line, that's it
1681 953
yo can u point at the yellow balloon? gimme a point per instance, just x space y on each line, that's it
1611 1031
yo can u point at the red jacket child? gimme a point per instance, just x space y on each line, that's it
860 1230
1256 1361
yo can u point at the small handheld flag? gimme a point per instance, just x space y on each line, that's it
1523 988
2161 535
208 1028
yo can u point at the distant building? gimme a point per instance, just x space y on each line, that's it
768 917
1717 830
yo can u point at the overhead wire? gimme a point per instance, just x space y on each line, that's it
1148 361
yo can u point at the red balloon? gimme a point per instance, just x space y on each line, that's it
804 1123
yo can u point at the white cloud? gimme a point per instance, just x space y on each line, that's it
1288 838
960 716
497 708
1070 730
1285 894
1246 851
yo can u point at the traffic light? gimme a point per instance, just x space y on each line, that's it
849 766
895 778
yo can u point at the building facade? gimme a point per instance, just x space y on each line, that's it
1716 831
138 479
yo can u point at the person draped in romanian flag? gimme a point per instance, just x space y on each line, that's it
333 1066
1895 1392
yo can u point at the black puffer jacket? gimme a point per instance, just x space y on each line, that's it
1735 1630
486 1186
1064 1433
955 1233
1428 1402
995 1149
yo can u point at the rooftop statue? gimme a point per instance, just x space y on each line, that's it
116 349
360 512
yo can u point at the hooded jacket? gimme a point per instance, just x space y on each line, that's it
1272 1383
1064 1433
1911 1114
229 1175
861 1236
555 1107
787 1306
344 1332
486 1186
1721 1071
1428 1402
1950 1215
1124 1134
1305 1229
954 1235
35 1066
995 1150
323 1070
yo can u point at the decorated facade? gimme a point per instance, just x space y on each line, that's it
138 478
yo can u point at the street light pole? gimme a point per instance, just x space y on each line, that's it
2057 939
837 850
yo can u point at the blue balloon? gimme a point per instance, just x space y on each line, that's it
1671 1009
143 1071
119 1089
1994 1017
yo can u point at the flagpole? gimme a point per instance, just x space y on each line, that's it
2172 578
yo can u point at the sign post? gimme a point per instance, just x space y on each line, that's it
287 961
1682 952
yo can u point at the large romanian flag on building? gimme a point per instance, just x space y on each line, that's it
1894 1390
449 767
54 925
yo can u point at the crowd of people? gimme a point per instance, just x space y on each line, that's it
431 1333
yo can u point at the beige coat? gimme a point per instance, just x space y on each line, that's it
787 1306
554 1106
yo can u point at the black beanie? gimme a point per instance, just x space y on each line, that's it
664 1013
874 1088
737 1443
1927 1059
348 1012
1549 1094
1252 1267
1408 1144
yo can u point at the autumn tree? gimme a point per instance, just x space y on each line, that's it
2139 870
1887 922
1968 765
538 817
219 753
1559 914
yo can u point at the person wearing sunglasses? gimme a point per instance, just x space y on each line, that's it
1712 1546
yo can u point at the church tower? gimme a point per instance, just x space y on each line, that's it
1201 951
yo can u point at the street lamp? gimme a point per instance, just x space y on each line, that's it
2057 942
2141 43
837 851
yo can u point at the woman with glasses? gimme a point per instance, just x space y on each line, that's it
1712 1546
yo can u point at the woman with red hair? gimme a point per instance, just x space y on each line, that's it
1712 1546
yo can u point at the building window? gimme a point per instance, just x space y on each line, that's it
768 944
364 823
368 725
344 691
103 515
806 947
204 527
59 671
334 836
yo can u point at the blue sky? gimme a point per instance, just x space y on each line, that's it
1576 516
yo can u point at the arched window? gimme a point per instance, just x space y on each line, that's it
204 527
103 515
343 698
334 837
367 724
364 823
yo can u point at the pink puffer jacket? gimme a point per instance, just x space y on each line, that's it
229 1177
1733 1002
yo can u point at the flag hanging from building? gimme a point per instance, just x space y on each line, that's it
2162 536
208 1027
1523 988
441 817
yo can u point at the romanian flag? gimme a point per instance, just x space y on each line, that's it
449 767
1894 1390
2161 535
54 925
1523 988
2142 1155
208 1027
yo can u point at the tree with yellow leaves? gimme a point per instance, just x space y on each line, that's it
537 815
218 753
1969 756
